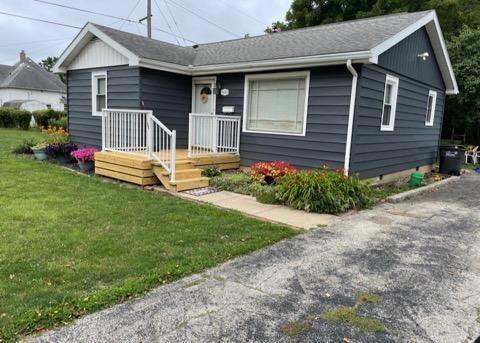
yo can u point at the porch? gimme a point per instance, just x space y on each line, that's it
138 148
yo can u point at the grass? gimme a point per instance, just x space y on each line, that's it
349 315
71 244
294 329
365 298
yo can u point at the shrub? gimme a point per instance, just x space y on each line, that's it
59 123
56 135
270 172
84 155
212 172
25 147
238 183
267 195
55 150
14 117
42 117
324 191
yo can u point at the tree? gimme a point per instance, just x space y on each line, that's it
464 109
49 62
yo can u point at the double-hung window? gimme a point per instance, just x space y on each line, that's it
389 103
276 103
431 104
99 92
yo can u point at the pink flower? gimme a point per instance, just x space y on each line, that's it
84 155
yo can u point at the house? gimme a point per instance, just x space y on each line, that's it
28 86
365 95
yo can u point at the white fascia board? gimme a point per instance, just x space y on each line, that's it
85 35
430 21
165 66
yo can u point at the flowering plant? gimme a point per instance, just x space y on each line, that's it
40 146
270 172
60 149
84 155
56 134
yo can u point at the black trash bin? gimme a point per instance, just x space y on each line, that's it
451 159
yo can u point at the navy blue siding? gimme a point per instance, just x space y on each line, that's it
411 144
123 92
327 120
403 59
170 97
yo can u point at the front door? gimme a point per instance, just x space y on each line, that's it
203 102
203 95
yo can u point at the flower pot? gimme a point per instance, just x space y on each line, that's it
39 153
86 166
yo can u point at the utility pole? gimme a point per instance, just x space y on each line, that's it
149 18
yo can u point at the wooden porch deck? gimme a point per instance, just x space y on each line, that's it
136 168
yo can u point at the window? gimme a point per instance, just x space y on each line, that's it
99 92
276 103
431 103
389 103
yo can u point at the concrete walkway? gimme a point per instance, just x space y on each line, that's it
274 213
421 257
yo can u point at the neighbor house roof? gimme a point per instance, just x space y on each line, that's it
360 41
29 75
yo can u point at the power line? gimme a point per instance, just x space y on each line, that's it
204 19
33 42
244 13
129 14
40 20
174 21
107 15
166 21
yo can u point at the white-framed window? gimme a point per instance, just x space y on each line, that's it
99 92
431 104
276 103
389 103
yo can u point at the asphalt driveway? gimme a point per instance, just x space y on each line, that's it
417 264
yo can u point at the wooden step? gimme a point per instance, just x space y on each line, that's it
179 165
187 184
183 174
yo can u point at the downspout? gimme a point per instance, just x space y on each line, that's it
351 114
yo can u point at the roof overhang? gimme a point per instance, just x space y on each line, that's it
85 35
432 25
430 21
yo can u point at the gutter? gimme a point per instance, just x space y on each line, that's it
351 114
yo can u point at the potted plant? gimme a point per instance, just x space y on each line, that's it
60 151
85 158
39 151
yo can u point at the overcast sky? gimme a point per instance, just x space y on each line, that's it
40 40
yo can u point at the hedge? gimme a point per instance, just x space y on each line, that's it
15 118
43 118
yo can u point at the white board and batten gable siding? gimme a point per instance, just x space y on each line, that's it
97 54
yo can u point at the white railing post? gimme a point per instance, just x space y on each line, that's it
190 132
238 125
214 148
104 133
173 155
150 137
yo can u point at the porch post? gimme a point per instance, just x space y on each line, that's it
173 155
149 135
103 130
190 121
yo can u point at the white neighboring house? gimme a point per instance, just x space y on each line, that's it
28 86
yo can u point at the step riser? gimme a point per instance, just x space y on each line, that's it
191 185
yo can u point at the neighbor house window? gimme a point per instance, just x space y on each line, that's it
431 103
99 92
276 103
389 103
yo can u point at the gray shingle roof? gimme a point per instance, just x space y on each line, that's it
349 36
29 75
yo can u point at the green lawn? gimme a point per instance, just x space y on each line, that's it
71 244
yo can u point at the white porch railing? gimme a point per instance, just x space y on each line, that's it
139 132
162 145
213 134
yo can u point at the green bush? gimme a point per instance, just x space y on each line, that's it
25 147
212 172
267 195
42 117
62 122
238 183
324 191
14 117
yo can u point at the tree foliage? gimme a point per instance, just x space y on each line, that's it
49 62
